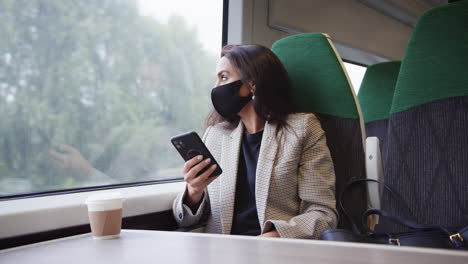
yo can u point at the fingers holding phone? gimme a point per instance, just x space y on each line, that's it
196 168
197 182
200 168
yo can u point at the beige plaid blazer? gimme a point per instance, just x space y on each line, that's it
295 180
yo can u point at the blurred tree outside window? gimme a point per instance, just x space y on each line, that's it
97 82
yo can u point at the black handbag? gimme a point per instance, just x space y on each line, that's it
418 236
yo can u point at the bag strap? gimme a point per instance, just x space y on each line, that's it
401 221
355 182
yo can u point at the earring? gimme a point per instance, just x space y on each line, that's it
253 97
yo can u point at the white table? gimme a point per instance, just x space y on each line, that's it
175 247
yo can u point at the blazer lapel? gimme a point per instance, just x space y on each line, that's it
229 163
266 160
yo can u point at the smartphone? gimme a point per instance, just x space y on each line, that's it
190 145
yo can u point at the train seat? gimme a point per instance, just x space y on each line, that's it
321 85
427 149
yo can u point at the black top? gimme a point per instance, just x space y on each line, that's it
245 217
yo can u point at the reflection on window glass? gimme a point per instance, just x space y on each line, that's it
356 74
91 91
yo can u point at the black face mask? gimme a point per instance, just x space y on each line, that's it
227 101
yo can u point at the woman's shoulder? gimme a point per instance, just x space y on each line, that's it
219 129
304 125
301 120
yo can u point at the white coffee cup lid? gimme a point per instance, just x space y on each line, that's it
104 197
104 201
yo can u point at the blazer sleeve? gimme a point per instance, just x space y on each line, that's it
182 212
316 188
184 215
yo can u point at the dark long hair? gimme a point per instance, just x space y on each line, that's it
272 87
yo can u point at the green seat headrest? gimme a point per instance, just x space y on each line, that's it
319 82
435 64
376 91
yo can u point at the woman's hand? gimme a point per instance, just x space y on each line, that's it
197 184
71 159
273 233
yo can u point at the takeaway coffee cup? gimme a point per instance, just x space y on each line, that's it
105 214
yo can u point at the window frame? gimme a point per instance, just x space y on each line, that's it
224 37
61 213
86 189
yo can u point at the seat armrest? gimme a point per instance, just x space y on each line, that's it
374 171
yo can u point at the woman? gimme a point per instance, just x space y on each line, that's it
278 177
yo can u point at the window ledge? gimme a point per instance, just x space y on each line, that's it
26 216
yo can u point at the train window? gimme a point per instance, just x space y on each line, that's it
91 91
356 74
